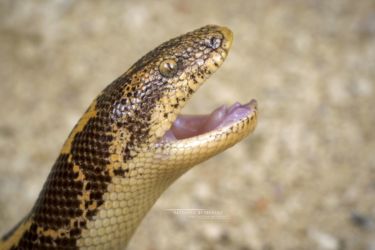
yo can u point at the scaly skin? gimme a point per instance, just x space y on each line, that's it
114 165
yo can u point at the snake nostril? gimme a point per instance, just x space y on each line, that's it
214 42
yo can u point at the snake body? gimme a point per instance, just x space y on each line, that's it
130 145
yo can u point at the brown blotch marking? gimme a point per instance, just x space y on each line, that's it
12 239
121 172
60 192
91 112
58 204
36 237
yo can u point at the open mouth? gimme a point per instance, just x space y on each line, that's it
187 126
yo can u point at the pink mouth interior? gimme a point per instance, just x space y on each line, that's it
186 126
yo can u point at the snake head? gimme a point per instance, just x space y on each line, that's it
147 98
150 95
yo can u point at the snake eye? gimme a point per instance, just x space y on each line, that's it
168 68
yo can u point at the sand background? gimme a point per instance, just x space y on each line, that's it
304 180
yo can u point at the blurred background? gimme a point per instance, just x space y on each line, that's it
304 180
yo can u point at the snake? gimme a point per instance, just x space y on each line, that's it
130 145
